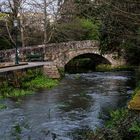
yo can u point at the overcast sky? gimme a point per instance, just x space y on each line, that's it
51 9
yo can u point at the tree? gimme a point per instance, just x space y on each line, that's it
47 12
120 20
72 24
34 18
5 41
12 8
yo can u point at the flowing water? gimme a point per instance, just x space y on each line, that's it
80 103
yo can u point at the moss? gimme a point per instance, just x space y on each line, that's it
134 104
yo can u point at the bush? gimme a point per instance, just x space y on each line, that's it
77 29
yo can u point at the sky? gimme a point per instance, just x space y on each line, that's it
28 6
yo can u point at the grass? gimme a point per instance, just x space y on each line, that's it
27 86
2 106
117 117
42 82
122 125
104 68
19 93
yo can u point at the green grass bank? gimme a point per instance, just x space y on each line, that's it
104 68
25 83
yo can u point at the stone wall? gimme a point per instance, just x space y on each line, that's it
14 77
51 71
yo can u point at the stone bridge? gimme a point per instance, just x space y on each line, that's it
61 53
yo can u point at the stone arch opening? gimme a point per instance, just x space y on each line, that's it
85 63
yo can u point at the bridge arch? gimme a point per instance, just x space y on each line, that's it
64 58
98 59
85 63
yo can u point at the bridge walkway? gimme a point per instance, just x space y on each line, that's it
20 67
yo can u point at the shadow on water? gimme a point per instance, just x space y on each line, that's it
85 63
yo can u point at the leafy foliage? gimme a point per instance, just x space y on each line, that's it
116 117
135 127
123 125
77 29
120 28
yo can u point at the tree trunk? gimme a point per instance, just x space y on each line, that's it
45 22
22 30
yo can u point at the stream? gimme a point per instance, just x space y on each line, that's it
80 103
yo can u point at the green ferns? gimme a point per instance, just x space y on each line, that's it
122 125
116 117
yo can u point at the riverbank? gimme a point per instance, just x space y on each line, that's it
134 103
104 68
124 123
25 83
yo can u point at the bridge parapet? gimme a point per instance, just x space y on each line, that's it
50 51
53 51
61 53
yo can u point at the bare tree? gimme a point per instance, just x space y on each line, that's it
13 8
37 19
49 8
